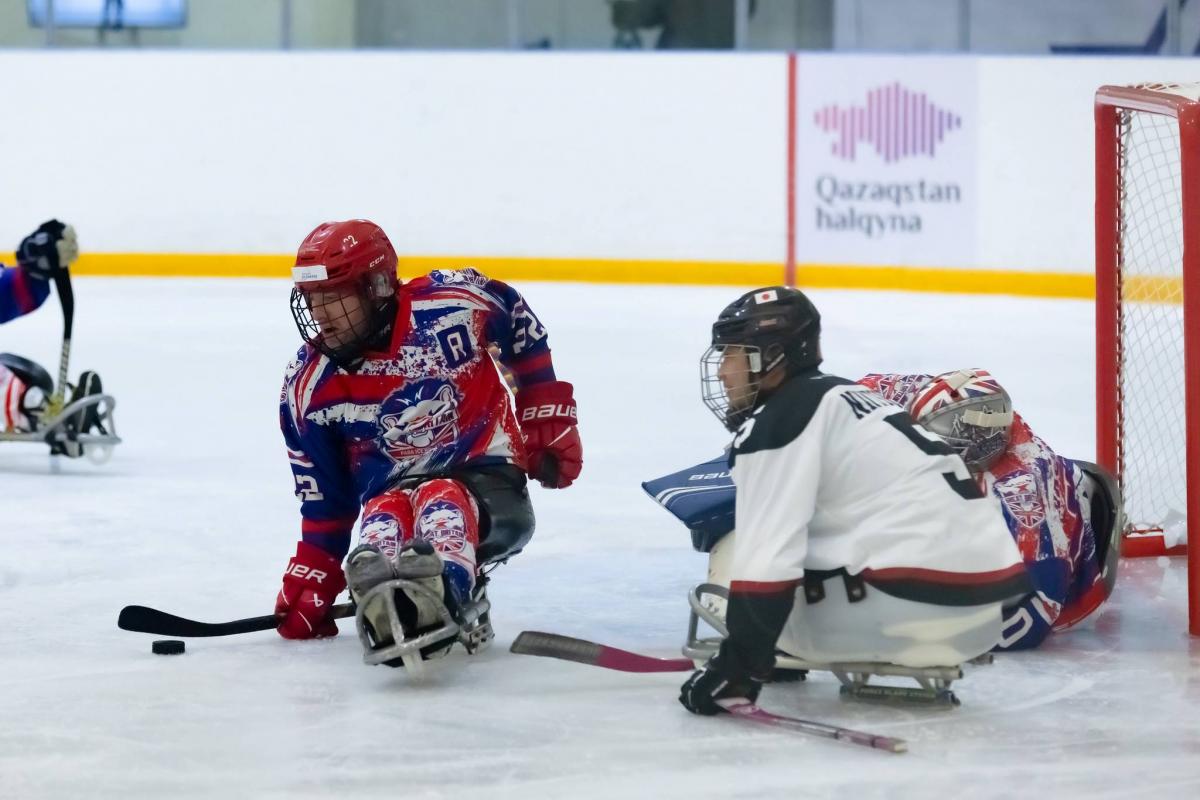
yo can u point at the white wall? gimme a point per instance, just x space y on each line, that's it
513 154
588 155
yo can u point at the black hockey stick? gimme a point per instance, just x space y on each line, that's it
66 297
150 620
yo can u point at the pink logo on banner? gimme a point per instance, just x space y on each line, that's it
897 122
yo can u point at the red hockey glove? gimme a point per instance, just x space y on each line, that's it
548 417
312 581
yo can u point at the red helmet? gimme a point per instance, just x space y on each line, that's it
353 259
338 252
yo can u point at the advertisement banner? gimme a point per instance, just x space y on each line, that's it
886 160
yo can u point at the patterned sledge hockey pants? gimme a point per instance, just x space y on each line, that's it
440 511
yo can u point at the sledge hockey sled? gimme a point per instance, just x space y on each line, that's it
62 431
933 683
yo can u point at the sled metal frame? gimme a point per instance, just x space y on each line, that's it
855 677
471 627
54 433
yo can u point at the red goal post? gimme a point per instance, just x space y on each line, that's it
1148 313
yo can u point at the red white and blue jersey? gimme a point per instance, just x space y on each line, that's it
1042 496
431 403
20 294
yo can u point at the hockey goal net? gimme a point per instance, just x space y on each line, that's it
1148 313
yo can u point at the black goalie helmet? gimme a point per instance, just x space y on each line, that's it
772 328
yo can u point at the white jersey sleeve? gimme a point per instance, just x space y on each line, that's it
775 504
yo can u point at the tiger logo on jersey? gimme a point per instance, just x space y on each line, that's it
418 418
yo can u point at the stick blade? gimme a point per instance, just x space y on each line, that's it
150 620
553 645
140 619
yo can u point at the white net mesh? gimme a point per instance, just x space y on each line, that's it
1152 433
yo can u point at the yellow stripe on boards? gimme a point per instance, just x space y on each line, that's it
184 265
959 281
595 270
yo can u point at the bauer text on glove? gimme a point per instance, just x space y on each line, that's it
311 583
548 418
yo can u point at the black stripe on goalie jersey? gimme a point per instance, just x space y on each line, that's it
786 413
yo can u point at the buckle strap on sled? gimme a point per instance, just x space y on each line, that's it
814 585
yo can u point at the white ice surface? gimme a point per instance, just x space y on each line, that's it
195 515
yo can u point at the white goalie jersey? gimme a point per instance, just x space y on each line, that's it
867 492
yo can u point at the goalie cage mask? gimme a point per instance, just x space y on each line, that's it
768 328
971 411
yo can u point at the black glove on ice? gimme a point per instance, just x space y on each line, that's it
713 682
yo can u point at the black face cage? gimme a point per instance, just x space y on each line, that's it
731 410
375 319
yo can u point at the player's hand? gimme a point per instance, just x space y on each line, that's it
715 682
547 415
49 250
311 583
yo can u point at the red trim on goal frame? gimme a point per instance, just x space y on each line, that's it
1109 100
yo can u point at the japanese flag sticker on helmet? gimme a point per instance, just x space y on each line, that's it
766 296
309 272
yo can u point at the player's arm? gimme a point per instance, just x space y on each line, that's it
20 294
328 509
546 408
776 499
41 256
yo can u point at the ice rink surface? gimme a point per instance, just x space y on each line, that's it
195 515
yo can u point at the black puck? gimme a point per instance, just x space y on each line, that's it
167 647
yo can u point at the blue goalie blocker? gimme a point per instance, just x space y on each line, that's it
701 497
